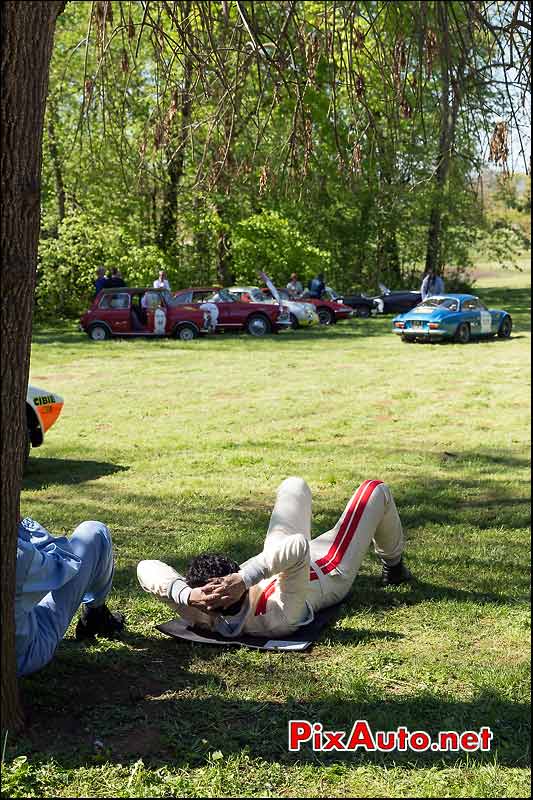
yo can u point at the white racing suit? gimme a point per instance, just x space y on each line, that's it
210 315
295 575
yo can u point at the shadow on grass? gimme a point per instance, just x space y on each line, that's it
41 472
491 506
178 716
475 340
64 334
490 459
262 727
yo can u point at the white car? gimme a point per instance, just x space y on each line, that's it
42 410
302 314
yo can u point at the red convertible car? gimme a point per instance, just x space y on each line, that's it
141 312
329 311
256 319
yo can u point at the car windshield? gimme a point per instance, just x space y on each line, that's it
332 294
438 302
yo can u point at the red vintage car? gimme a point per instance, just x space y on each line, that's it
256 319
329 311
141 312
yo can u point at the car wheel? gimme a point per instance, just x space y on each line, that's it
407 339
258 325
98 333
462 334
325 316
362 311
186 333
294 322
505 328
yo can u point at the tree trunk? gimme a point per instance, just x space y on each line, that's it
202 252
387 251
168 223
448 122
224 259
56 161
153 212
27 37
388 257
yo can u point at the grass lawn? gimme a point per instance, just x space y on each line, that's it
179 448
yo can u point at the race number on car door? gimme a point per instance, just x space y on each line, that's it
486 321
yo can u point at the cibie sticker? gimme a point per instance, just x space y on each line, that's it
29 524
44 400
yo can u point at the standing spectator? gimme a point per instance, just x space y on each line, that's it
101 281
431 285
115 280
294 287
161 282
317 286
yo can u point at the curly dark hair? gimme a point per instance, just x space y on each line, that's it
212 565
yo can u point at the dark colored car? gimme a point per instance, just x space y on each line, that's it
396 302
361 305
256 319
140 312
388 302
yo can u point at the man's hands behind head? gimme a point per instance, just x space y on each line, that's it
198 599
218 594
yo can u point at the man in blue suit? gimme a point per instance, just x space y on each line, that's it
54 576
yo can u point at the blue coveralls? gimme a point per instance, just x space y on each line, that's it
55 575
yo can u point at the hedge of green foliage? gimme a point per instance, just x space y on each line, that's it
272 244
69 260
67 263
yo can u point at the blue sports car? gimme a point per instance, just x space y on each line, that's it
451 316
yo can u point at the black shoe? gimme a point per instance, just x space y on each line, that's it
101 621
393 576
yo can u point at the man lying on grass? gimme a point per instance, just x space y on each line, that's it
55 575
276 592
